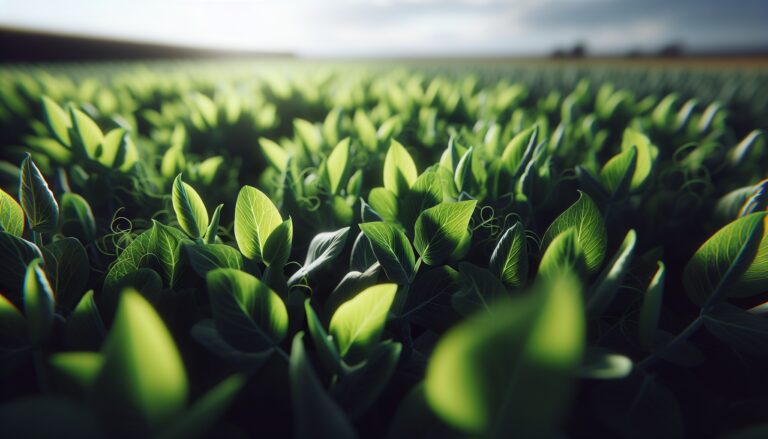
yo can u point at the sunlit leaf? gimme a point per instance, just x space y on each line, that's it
255 219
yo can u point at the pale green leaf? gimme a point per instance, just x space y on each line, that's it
190 209
255 219
399 169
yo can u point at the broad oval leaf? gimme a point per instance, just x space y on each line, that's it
15 254
11 215
392 250
482 373
208 257
248 314
255 219
57 120
142 384
585 218
385 204
706 272
478 289
87 132
509 260
277 248
399 169
37 199
358 323
618 172
274 153
563 254
190 209
439 230
744 331
68 267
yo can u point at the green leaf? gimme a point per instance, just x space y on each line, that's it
113 148
316 414
358 323
248 314
399 169
190 209
57 120
67 265
11 215
13 327
208 257
478 290
426 192
351 285
727 263
646 156
323 248
173 162
255 219
509 260
607 285
85 328
618 172
77 370
384 203
463 177
483 373
38 303
213 226
563 254
429 299
77 218
650 311
142 384
15 254
277 249
362 255
37 199
366 131
323 342
439 230
392 249
309 134
415 419
87 132
359 389
337 165
589 227
744 331
197 421
274 153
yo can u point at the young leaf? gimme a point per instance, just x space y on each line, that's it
426 192
589 227
277 248
274 153
362 255
385 204
255 219
87 132
324 248
357 324
77 218
651 308
85 328
601 364
463 176
142 384
618 172
646 157
483 373
604 290
77 370
38 303
15 254
716 261
399 169
337 165
190 209
248 314
67 265
563 254
509 260
11 215
440 229
316 414
36 199
323 342
57 120
213 226
208 257
392 250
429 299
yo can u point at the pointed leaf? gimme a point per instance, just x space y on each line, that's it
190 209
439 230
255 219
36 199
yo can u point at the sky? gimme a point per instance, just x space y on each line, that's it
341 28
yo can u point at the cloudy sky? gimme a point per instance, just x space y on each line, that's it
406 27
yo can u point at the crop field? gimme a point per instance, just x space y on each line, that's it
422 250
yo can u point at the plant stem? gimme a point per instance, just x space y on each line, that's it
37 237
679 339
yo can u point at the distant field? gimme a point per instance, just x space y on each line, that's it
442 248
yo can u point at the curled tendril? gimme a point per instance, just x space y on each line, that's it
311 204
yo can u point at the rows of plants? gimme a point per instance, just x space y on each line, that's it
339 251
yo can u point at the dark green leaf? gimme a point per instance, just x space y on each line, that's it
439 230
392 249
509 260
36 199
